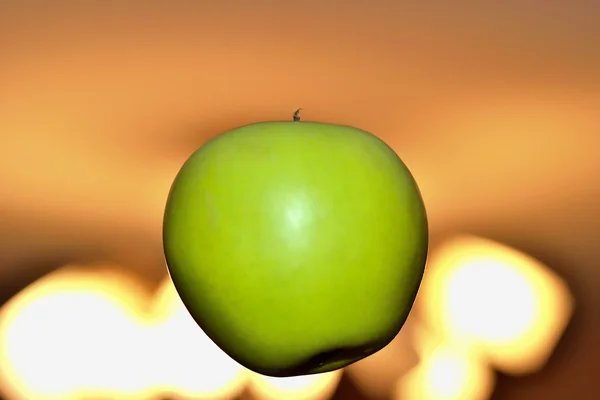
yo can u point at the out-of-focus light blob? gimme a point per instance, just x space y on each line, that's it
510 307
447 371
76 333
307 387
189 364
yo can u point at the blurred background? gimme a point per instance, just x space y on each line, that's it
495 109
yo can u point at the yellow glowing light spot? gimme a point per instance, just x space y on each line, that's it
307 387
74 333
503 317
189 364
509 306
447 372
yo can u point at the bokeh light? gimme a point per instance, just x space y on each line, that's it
447 371
509 306
73 334
307 387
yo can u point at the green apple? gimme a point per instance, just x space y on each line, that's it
298 247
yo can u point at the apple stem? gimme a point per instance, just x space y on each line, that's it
297 115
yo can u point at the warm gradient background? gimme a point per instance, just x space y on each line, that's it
496 110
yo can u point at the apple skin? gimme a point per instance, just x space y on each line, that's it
298 247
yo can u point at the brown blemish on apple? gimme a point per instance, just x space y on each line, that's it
326 361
